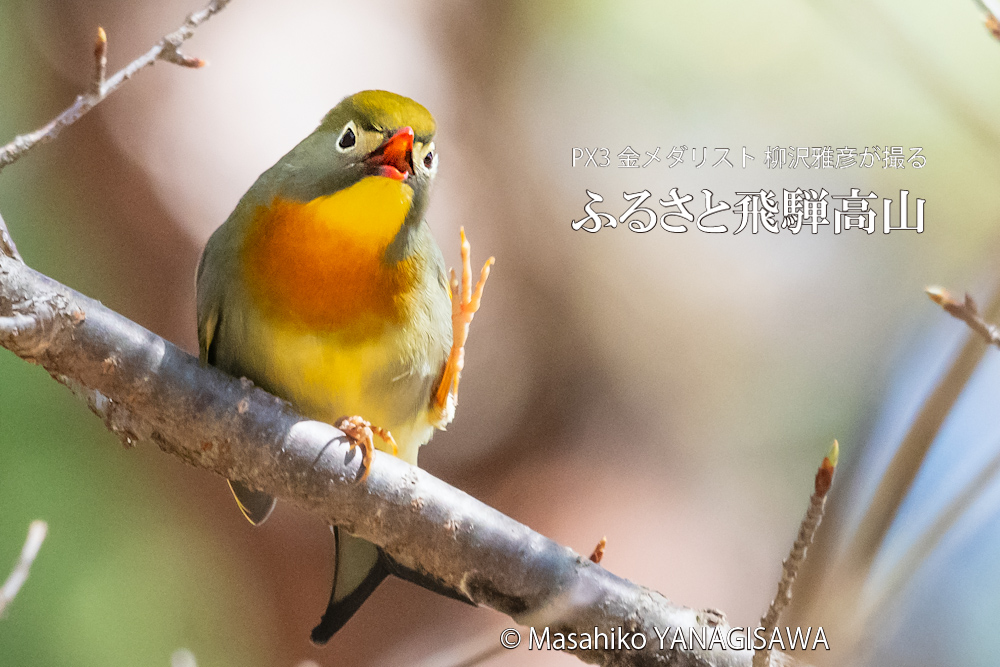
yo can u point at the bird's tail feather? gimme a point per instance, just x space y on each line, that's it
358 572
360 568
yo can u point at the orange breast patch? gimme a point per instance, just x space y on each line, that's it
319 264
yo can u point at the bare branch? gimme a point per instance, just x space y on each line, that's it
967 311
36 535
993 26
146 389
790 567
992 9
100 62
167 49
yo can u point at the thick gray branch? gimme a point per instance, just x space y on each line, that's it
146 389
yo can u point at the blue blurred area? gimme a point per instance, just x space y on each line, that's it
934 588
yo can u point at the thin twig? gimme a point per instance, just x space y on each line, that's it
992 9
100 63
36 535
790 566
993 25
167 49
967 311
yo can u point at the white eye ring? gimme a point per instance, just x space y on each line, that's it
432 154
348 138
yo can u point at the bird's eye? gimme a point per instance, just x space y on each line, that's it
347 138
429 159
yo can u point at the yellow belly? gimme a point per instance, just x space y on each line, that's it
328 376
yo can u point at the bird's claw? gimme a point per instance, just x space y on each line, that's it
362 433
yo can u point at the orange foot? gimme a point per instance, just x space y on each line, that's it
361 432
464 305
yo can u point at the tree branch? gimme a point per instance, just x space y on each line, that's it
967 311
790 567
10 588
146 389
167 49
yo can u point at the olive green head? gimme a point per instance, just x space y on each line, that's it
371 133
380 110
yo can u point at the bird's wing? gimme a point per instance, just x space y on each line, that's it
255 505
208 315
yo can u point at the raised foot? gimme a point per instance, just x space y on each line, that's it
465 301
361 433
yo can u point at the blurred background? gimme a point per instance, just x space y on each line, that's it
674 392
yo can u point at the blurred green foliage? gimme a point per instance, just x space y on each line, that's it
114 543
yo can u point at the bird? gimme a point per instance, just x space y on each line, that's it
326 288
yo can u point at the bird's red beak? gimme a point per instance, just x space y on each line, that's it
394 158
